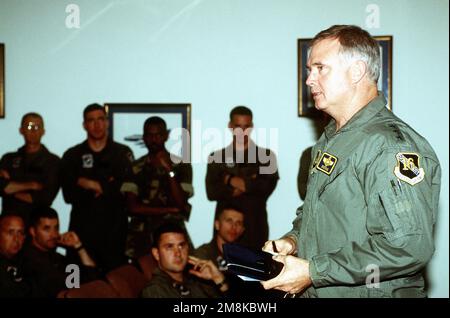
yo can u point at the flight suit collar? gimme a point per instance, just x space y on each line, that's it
231 146
360 118
108 144
157 272
42 150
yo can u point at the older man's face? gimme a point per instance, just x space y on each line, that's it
12 236
329 76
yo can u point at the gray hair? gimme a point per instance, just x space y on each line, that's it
356 44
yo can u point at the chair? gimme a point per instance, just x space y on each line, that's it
127 281
62 293
94 289
147 265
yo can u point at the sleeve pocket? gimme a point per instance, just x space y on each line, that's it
400 213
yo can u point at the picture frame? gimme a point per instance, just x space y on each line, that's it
306 103
126 121
2 80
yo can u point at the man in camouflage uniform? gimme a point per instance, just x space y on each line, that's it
366 226
158 190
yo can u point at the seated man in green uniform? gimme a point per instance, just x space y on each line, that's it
158 190
12 237
366 226
41 261
229 226
29 176
172 278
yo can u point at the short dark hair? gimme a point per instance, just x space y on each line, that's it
91 107
167 227
156 121
42 212
10 214
354 41
227 206
31 114
241 110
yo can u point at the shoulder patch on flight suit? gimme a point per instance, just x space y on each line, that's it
327 163
408 168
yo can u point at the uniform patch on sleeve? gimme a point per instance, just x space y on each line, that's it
327 163
408 168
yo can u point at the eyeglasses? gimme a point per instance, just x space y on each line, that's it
32 126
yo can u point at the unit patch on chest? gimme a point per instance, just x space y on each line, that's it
327 163
88 161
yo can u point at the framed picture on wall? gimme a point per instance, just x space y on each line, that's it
127 121
2 80
305 100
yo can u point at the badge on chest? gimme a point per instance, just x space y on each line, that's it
88 160
326 163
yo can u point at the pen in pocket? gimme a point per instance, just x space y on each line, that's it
397 186
394 187
400 186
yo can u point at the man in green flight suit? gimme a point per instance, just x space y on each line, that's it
366 226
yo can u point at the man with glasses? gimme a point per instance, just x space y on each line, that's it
29 176
93 172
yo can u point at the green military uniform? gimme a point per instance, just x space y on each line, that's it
211 251
41 166
12 282
163 286
258 167
151 186
99 221
370 208
236 286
